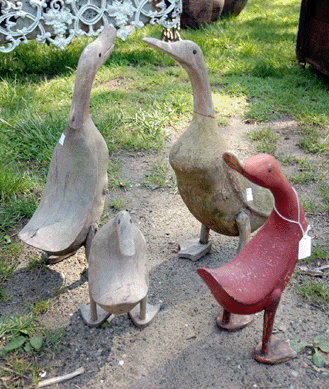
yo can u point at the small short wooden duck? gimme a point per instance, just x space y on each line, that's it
255 279
214 194
118 280
74 193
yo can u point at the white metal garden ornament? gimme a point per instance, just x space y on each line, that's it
58 21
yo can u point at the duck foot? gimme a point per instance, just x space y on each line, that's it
144 313
102 315
51 259
278 350
231 322
193 249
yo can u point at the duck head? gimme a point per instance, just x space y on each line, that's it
262 170
190 56
124 226
186 52
91 59
99 51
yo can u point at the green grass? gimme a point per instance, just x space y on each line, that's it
265 139
140 92
140 96
315 291
24 345
158 176
39 306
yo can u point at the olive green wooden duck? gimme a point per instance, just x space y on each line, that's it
74 193
221 199
117 275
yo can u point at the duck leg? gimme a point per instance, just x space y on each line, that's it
93 315
244 226
196 248
51 259
90 236
226 320
144 314
273 350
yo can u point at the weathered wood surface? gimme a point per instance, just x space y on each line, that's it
214 193
74 193
117 274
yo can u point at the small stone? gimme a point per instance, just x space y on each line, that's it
121 363
294 373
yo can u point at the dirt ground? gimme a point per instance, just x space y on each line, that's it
182 348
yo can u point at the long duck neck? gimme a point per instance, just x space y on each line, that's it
288 205
79 112
202 99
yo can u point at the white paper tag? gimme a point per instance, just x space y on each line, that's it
61 139
305 247
249 195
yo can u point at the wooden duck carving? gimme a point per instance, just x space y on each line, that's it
213 193
74 193
255 279
118 280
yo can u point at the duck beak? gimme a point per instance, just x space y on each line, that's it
170 48
110 35
125 234
233 162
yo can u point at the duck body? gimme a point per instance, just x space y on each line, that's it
117 275
117 271
76 185
255 279
247 283
213 193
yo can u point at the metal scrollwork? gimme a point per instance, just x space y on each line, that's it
58 21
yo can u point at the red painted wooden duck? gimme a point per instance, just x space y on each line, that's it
254 280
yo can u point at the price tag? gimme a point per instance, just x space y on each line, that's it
249 195
61 139
305 247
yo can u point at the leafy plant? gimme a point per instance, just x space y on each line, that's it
319 349
25 343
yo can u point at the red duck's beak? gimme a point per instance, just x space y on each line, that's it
233 162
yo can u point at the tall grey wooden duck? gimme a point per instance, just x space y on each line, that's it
118 280
74 194
218 197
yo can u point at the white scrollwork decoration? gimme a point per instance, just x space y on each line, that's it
58 21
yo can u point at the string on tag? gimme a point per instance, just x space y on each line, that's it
293 221
304 245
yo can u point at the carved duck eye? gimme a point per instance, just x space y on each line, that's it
270 169
194 51
100 54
